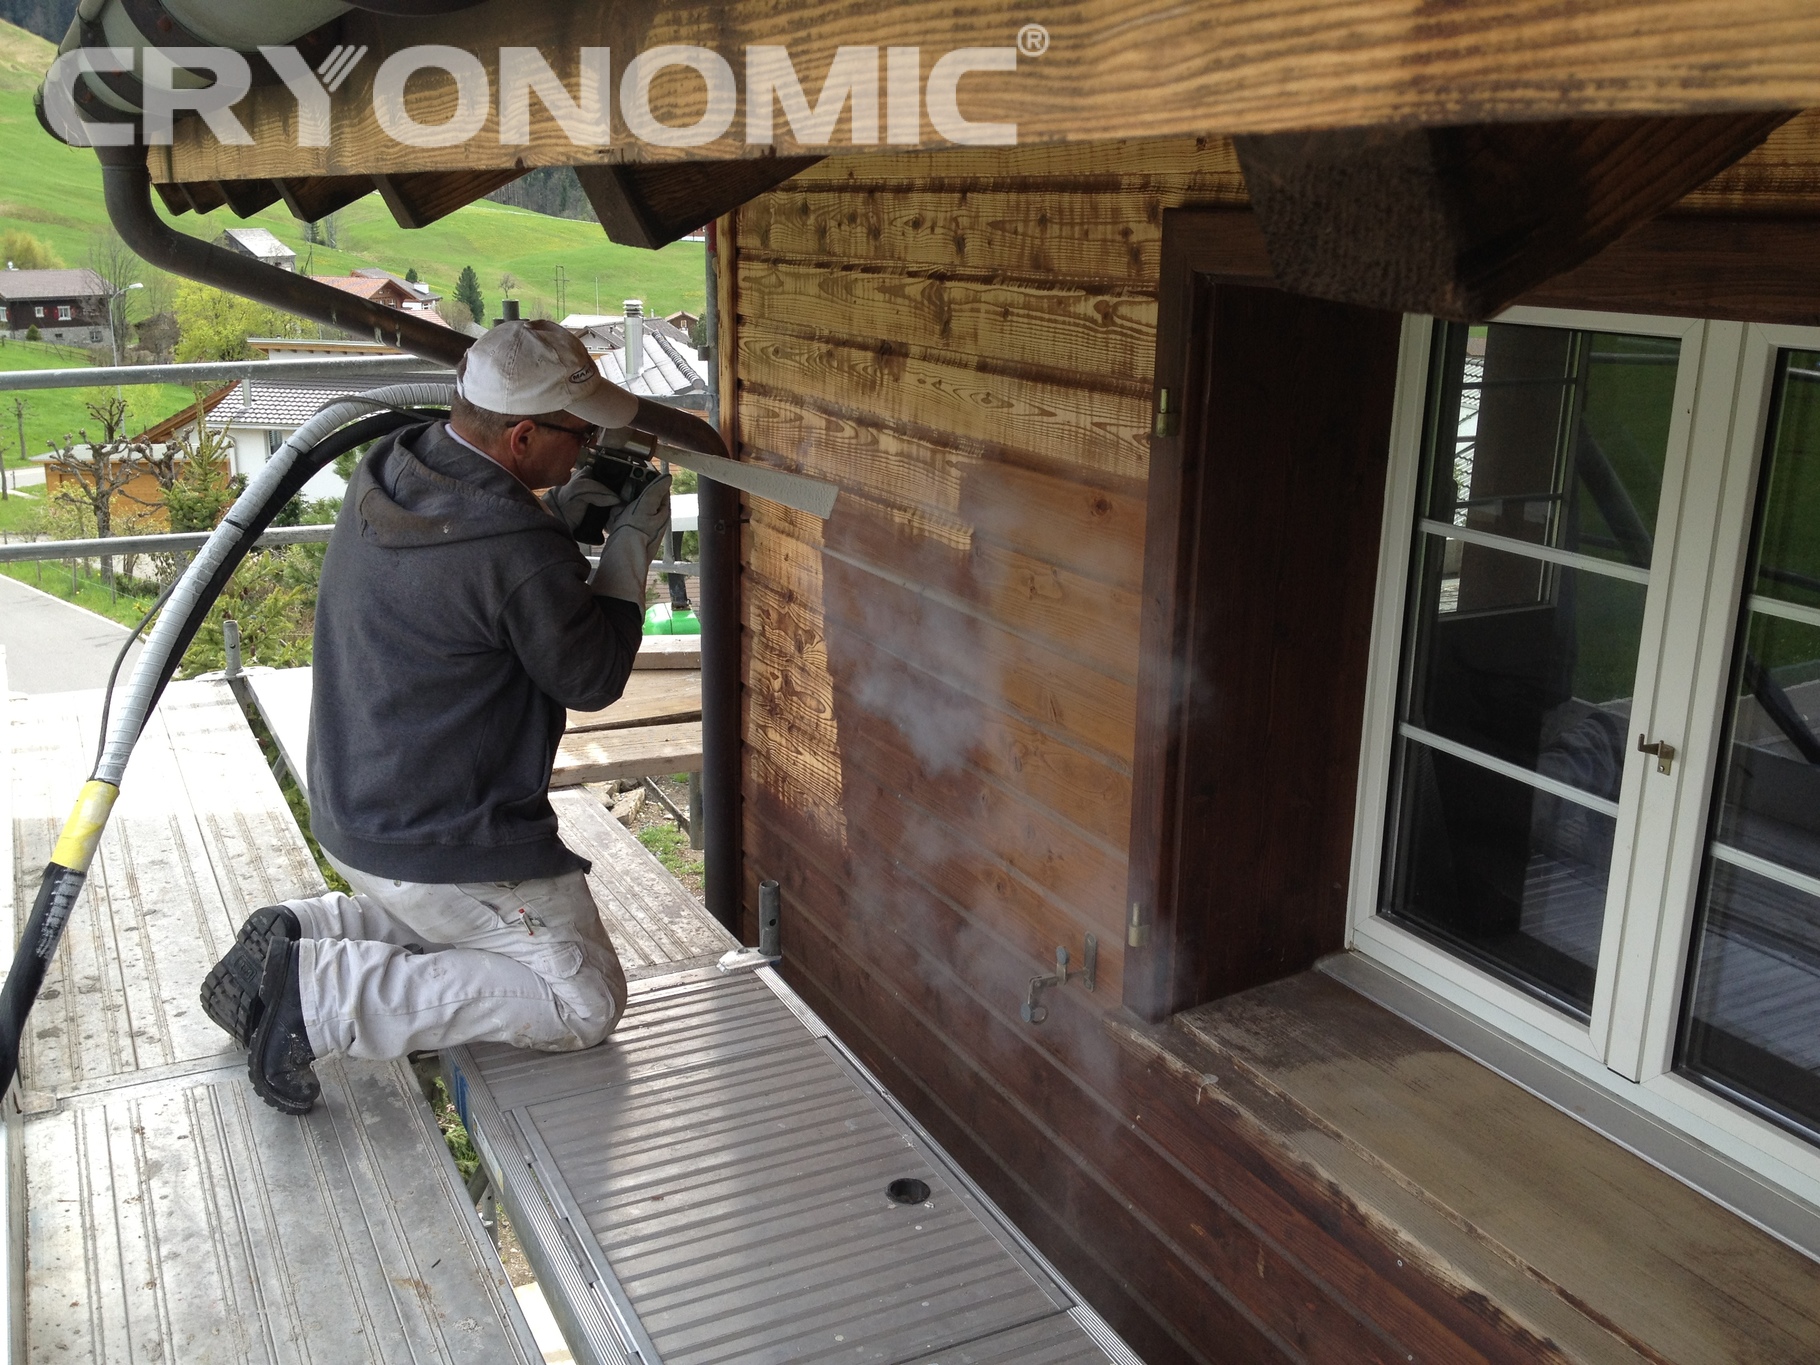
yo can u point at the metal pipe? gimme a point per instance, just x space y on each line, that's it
128 187
396 367
19 551
230 646
718 529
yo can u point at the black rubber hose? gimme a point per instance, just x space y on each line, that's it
61 885
332 448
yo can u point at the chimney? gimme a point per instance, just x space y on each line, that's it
635 338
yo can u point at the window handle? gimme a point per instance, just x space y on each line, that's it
1664 752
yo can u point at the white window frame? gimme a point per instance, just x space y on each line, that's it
66 312
1715 447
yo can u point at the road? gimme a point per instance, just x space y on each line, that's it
52 646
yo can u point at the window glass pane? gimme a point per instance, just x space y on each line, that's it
1751 1013
1788 563
1541 485
1557 437
1511 654
1510 877
1769 801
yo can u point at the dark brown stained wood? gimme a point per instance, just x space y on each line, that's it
205 196
1459 221
247 197
418 200
173 197
651 206
1748 270
310 200
1039 599
624 216
1252 1258
789 661
1258 592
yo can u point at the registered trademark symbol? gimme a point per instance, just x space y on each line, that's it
1033 40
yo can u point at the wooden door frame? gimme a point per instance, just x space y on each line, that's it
1192 697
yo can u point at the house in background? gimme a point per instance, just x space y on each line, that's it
69 307
260 244
422 297
651 356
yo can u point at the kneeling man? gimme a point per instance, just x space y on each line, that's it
456 624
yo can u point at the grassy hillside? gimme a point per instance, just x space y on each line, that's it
54 193
52 413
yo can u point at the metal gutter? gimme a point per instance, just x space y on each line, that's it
128 187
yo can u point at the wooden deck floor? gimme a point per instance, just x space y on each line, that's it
169 1215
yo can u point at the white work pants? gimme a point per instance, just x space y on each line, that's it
526 963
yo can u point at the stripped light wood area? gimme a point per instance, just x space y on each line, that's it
940 679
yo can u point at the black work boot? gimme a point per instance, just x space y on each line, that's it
279 1057
230 992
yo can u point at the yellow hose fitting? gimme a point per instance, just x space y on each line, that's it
81 833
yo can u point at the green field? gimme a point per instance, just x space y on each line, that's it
50 414
54 193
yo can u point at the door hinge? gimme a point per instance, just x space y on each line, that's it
1137 932
1166 415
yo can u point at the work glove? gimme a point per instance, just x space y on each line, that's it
632 540
571 502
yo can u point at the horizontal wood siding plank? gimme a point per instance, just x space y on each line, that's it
1108 238
1206 169
1052 424
1092 527
1093 331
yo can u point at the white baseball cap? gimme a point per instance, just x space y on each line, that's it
525 368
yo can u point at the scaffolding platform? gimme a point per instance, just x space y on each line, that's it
160 1211
721 1180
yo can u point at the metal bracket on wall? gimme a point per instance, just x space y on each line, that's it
1034 1011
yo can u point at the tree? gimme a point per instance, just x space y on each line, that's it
96 472
467 291
507 283
119 267
215 325
27 252
200 494
410 275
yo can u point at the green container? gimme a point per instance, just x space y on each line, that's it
664 619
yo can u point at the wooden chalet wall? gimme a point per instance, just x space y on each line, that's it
939 716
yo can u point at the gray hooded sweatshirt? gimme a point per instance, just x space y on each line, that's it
454 627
